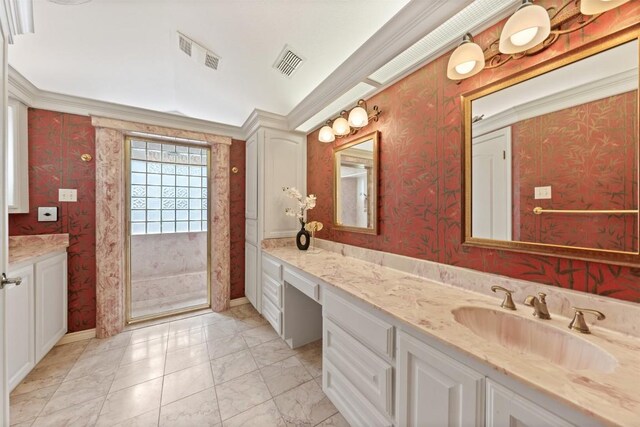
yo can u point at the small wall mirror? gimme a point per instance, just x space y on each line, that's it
355 185
551 157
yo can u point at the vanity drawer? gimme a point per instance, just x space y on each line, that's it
371 375
272 314
272 290
371 331
272 268
304 285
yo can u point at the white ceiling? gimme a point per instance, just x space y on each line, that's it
125 51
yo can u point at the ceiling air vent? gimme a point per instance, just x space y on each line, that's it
184 44
211 60
197 52
288 61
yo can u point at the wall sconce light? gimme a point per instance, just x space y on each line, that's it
356 119
530 30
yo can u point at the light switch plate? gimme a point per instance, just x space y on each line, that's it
67 195
46 214
542 192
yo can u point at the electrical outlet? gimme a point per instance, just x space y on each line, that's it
542 192
67 195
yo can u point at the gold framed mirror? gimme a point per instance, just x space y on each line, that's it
355 185
551 156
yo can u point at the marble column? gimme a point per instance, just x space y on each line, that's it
220 240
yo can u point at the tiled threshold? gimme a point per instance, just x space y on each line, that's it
210 369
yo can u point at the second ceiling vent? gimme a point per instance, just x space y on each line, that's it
198 52
288 61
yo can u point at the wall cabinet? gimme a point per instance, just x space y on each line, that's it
434 389
36 314
20 321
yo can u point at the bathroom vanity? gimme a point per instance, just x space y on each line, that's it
36 314
399 349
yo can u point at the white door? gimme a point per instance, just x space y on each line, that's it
491 192
4 233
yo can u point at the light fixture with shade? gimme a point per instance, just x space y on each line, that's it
529 26
348 122
466 60
529 31
594 7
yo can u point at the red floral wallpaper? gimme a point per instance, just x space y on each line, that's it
56 142
420 188
588 154
236 212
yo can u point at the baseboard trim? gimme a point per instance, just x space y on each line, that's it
238 301
77 336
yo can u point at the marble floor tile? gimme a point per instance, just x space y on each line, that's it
213 317
310 356
221 329
185 324
138 372
64 352
26 407
226 345
80 390
271 352
148 419
305 405
184 339
130 402
150 333
336 420
232 366
200 409
144 350
284 375
103 344
84 414
44 376
186 358
102 363
259 335
243 311
186 382
250 323
262 415
240 394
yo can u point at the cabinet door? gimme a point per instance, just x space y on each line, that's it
251 274
506 408
51 303
20 326
434 389
251 182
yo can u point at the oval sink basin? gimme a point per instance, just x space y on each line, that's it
533 336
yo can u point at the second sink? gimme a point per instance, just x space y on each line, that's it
532 336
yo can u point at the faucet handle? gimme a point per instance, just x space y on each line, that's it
578 323
508 300
542 296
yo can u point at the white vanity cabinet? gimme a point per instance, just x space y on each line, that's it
435 390
272 298
20 321
51 303
36 314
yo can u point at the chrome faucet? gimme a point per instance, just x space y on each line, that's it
578 323
539 305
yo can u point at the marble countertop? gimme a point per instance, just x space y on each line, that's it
26 248
612 398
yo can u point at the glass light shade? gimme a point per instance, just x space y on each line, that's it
594 7
358 117
326 134
526 28
466 61
341 126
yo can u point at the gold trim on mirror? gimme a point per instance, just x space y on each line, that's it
372 197
588 254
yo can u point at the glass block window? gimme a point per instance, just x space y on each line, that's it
169 190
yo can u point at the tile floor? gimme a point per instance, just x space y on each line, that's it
215 369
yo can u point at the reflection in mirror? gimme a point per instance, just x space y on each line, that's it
554 159
355 185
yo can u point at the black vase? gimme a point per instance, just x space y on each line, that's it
303 239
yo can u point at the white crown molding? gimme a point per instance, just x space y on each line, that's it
260 118
23 90
592 91
408 26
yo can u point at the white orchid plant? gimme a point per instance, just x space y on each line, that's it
304 203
